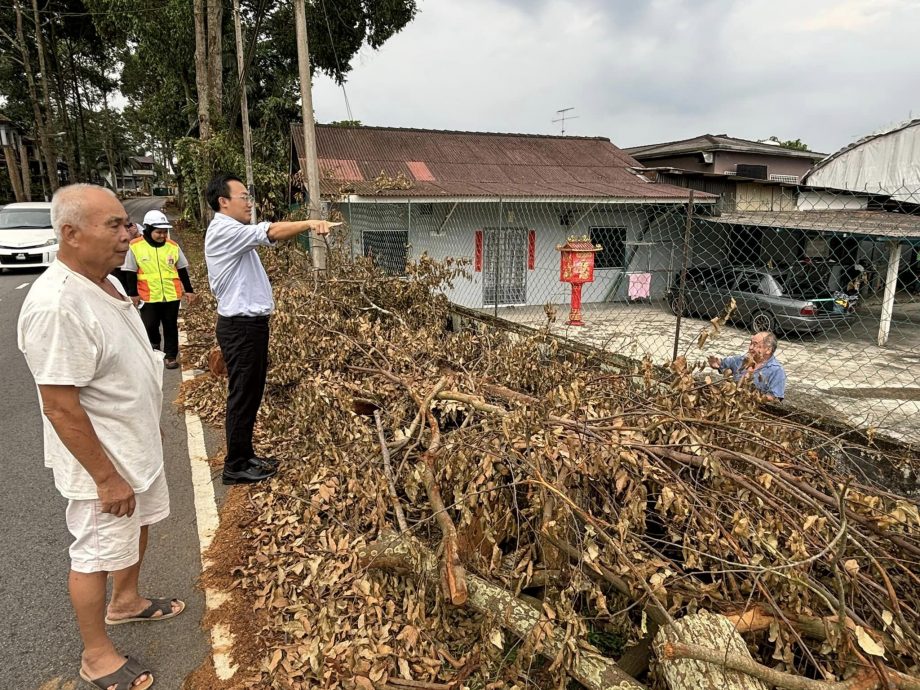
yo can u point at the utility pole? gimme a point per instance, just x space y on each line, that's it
563 117
244 107
317 246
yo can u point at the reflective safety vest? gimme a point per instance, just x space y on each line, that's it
157 275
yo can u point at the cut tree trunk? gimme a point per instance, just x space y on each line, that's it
404 554
201 70
714 632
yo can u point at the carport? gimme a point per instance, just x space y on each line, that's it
892 230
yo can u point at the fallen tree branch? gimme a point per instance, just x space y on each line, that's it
780 679
453 574
597 571
405 554
424 405
804 487
388 471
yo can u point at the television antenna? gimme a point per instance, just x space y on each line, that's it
563 117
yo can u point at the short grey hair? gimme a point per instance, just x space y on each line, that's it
770 339
68 205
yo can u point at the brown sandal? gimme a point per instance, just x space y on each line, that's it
162 605
123 678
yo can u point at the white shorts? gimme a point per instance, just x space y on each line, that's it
105 543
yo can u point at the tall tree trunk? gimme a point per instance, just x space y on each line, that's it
201 71
69 141
215 57
109 144
43 77
13 171
205 108
189 99
79 125
41 125
78 85
26 172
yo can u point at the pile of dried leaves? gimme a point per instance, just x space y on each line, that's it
429 471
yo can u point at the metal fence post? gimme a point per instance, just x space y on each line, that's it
498 255
683 274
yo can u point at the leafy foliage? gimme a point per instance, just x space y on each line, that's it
795 144
678 487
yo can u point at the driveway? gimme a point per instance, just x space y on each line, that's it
842 375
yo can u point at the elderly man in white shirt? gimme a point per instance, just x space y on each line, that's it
100 389
244 304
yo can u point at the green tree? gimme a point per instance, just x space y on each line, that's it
795 144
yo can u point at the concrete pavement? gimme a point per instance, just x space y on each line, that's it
843 376
42 647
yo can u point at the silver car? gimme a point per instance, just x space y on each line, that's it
26 237
785 300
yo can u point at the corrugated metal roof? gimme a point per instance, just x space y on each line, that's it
896 129
716 142
476 164
863 223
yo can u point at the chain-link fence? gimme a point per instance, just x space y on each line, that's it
835 275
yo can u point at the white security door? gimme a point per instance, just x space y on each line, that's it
504 259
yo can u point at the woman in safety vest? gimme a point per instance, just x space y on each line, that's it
157 276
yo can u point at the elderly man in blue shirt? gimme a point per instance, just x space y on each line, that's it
759 364
244 304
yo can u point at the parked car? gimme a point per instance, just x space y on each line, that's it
785 300
26 237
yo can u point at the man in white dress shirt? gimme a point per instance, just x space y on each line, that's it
244 304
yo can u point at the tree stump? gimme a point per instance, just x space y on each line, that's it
707 630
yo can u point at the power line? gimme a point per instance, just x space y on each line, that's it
338 65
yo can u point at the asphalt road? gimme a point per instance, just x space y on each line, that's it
42 646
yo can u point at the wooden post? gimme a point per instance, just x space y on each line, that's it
317 246
891 285
685 256
244 107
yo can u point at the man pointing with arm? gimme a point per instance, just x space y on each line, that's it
244 304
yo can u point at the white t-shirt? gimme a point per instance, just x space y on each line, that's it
73 333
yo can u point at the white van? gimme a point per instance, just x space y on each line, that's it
26 237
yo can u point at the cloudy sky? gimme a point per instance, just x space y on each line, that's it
824 71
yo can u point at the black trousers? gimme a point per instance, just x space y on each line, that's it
165 314
243 342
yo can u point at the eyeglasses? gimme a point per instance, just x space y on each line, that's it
245 198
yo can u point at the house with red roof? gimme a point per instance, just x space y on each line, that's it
503 203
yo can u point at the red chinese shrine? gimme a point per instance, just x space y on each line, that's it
577 268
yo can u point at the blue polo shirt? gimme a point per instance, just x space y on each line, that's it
770 378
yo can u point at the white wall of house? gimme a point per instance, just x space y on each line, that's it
653 241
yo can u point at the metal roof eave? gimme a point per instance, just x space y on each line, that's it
778 223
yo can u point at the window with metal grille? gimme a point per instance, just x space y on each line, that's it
613 241
783 178
388 248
